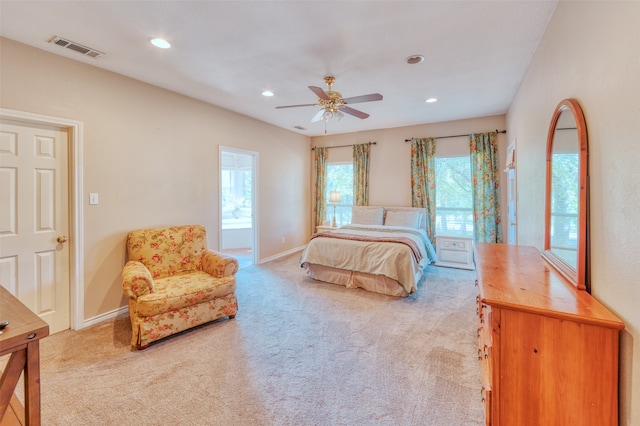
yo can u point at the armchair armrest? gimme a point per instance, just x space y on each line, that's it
219 265
136 280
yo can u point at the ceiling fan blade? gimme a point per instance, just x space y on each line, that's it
318 116
319 92
363 98
295 106
354 112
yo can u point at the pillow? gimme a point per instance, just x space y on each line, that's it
361 215
412 219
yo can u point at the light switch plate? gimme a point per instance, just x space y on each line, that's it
93 198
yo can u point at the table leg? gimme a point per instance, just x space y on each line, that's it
32 384
10 378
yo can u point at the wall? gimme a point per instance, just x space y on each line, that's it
390 161
152 156
238 238
591 52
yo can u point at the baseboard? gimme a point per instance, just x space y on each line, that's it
124 310
121 311
280 255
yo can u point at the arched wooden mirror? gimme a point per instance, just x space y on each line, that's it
566 211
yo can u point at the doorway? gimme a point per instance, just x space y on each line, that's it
237 204
42 214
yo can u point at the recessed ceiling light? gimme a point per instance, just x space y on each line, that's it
414 59
431 100
161 43
267 93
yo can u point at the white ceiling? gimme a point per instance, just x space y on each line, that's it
227 52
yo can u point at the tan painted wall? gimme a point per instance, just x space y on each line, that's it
152 156
591 52
390 166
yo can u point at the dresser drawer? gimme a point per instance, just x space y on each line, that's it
486 395
455 245
486 357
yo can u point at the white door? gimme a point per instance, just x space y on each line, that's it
512 195
511 190
34 219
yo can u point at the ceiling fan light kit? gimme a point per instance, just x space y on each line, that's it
334 106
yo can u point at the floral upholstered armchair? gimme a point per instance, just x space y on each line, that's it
174 282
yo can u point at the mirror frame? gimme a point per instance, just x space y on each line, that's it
578 276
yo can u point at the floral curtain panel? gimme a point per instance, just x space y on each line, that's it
423 180
320 157
485 181
361 174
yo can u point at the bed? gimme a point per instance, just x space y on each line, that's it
384 250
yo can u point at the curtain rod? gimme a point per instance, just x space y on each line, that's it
457 136
343 146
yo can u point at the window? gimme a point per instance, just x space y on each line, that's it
340 178
454 197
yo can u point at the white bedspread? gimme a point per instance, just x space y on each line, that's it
394 260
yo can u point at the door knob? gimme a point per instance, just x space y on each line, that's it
62 239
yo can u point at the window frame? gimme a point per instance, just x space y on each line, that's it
343 208
464 224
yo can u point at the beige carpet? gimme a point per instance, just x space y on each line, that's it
299 352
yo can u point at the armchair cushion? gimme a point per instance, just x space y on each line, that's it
183 290
174 282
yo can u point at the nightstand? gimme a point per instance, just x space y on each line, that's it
324 228
454 251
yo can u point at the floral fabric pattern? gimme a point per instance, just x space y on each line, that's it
485 183
321 155
168 251
181 291
361 154
174 282
423 180
149 329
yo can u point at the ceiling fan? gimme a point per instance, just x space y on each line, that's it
334 105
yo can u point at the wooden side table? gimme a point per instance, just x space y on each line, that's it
21 338
454 251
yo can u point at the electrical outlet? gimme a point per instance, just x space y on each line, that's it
282 240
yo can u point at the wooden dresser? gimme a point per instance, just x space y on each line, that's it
549 353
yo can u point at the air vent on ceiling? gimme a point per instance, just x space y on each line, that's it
77 47
299 127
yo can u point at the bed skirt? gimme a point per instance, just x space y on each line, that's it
353 279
